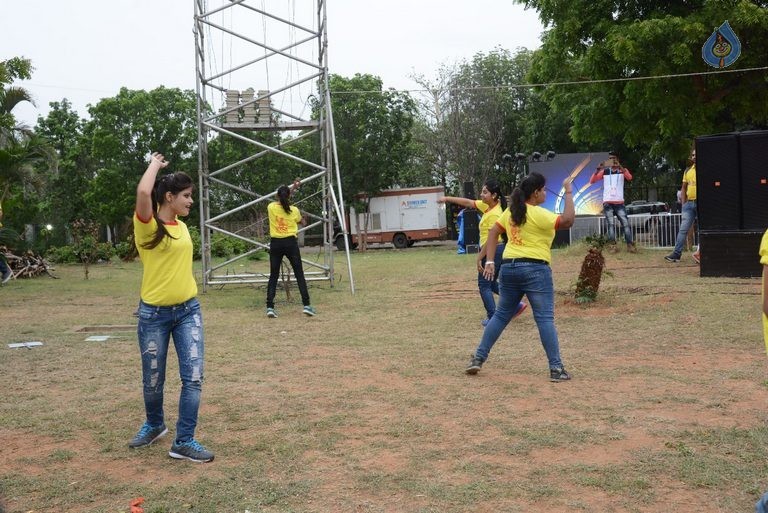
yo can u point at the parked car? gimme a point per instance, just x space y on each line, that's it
643 215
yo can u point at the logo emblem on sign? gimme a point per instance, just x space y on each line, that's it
722 48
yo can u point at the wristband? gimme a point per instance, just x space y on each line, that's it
491 263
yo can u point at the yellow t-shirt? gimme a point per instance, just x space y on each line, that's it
690 178
168 278
764 261
281 223
490 215
534 238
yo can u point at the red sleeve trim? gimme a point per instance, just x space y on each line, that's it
557 223
145 221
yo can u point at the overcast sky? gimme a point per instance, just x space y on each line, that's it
85 50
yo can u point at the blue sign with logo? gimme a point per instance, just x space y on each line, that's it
722 48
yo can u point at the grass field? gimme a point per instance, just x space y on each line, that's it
366 408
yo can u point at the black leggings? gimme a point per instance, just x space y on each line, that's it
288 247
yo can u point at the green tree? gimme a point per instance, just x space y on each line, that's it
67 185
123 131
479 110
373 135
601 40
16 68
22 152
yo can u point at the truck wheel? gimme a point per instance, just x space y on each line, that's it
339 242
400 241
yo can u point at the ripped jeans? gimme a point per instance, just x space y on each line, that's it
156 326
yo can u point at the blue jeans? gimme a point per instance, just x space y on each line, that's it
535 281
688 217
610 209
488 288
156 325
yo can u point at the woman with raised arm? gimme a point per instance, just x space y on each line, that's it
491 204
168 307
284 221
525 269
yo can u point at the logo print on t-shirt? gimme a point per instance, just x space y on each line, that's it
281 226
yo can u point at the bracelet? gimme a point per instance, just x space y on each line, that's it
491 263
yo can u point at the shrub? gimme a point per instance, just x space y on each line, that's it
194 234
62 255
227 247
125 250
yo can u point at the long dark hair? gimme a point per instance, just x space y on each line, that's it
522 193
494 187
283 196
173 183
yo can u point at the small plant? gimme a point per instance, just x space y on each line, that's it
86 246
591 269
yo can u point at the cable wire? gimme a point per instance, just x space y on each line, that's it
565 83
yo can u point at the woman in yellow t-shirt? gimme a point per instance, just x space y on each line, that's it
284 222
525 268
491 204
168 307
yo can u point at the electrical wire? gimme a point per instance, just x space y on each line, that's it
553 84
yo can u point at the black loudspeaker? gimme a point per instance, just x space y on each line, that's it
471 225
562 238
718 184
730 253
753 157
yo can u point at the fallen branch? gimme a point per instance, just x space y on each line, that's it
28 265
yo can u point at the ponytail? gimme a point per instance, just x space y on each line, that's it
522 194
283 195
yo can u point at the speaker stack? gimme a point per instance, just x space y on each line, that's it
471 223
732 202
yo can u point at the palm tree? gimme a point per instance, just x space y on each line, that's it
20 148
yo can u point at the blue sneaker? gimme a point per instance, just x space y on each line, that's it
308 310
191 450
271 313
147 435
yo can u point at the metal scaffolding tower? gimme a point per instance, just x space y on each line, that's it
259 70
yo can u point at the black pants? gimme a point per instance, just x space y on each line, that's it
279 248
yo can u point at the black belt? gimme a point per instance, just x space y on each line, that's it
528 260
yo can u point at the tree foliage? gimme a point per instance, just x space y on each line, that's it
609 39
16 68
479 110
67 185
123 131
373 133
22 152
